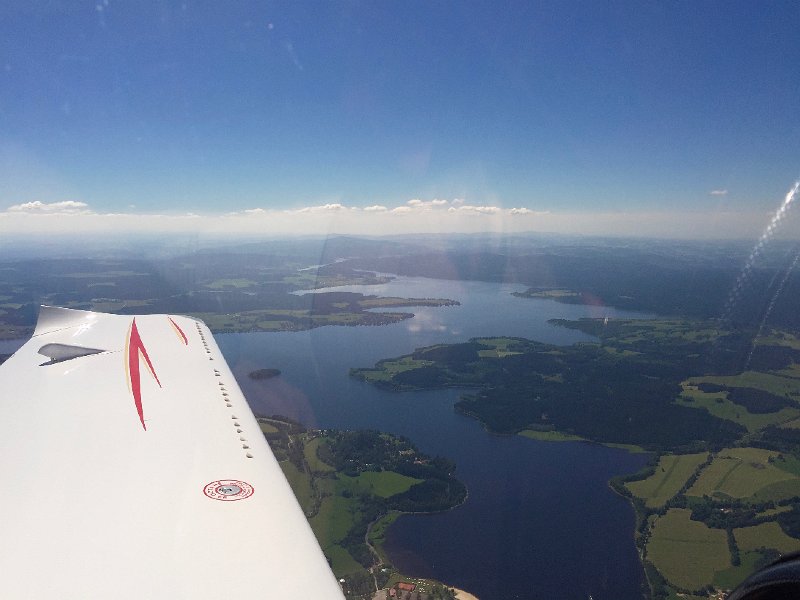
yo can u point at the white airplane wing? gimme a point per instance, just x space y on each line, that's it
132 467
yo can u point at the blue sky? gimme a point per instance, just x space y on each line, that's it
557 108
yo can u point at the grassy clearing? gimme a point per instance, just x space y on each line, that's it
779 338
728 579
792 371
333 521
774 384
632 448
550 436
300 484
740 473
717 404
267 428
766 535
387 369
671 473
498 347
788 463
342 563
687 553
779 490
314 463
771 512
106 305
383 483
793 424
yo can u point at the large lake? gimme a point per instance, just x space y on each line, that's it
540 520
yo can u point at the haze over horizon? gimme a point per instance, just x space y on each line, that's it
626 118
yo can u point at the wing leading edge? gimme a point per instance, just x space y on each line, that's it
138 470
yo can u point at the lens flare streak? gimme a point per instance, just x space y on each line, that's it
758 250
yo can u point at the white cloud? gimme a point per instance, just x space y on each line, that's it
470 209
417 216
429 205
38 207
322 208
718 193
527 211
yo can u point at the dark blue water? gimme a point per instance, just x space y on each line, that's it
540 521
11 346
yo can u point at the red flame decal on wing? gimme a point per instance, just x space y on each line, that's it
179 331
135 350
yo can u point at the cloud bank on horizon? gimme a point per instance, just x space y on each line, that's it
414 216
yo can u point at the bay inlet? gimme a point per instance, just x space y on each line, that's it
540 520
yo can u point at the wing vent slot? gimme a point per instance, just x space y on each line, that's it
61 352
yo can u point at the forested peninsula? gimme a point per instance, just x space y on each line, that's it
717 405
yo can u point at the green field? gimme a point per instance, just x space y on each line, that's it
671 473
766 535
383 483
779 338
267 428
793 424
717 404
774 384
498 347
314 463
106 305
386 369
300 484
771 512
333 521
341 561
729 578
632 448
743 473
687 553
550 436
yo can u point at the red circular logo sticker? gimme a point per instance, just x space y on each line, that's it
228 490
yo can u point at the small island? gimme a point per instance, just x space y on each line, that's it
352 485
264 374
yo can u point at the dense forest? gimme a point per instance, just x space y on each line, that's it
621 390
